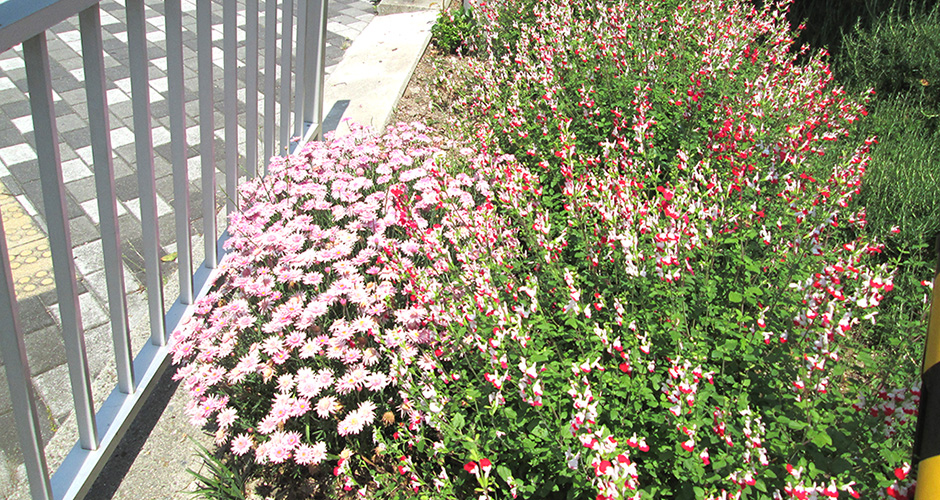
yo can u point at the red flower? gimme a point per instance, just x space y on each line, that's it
900 473
470 467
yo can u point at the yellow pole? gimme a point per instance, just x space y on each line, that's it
932 352
927 439
928 479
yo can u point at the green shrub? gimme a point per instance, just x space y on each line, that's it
898 55
902 188
698 268
455 31
895 53
899 58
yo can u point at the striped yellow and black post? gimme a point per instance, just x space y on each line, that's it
927 439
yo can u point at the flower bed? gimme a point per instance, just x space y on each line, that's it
643 277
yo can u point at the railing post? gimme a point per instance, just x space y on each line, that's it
314 65
39 82
270 77
300 82
287 27
230 102
17 370
147 187
100 127
206 129
251 87
177 111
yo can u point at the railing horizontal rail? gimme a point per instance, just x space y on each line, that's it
27 22
21 20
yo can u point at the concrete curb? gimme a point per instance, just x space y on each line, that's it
366 86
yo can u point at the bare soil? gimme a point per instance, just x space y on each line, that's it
434 95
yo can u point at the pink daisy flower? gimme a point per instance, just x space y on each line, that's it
326 406
241 444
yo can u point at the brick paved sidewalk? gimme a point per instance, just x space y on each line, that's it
21 199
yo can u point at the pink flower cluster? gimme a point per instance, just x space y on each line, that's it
340 268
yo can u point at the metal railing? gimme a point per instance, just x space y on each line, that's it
27 22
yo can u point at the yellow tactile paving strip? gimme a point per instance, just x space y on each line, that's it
30 257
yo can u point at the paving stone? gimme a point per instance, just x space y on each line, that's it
89 257
165 188
57 402
122 168
130 231
162 168
159 108
6 402
65 81
122 110
75 169
83 230
26 174
11 135
33 316
32 192
99 347
126 187
98 284
70 122
92 210
167 225
93 313
77 138
7 482
82 189
17 154
73 209
9 440
44 350
134 260
16 109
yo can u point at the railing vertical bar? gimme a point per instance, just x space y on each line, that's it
13 350
206 128
270 70
314 66
99 127
146 181
178 146
300 82
287 24
229 60
251 87
39 83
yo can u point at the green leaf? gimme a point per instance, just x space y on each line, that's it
504 473
821 439
735 297
458 421
170 257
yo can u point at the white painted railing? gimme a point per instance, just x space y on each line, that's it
26 22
